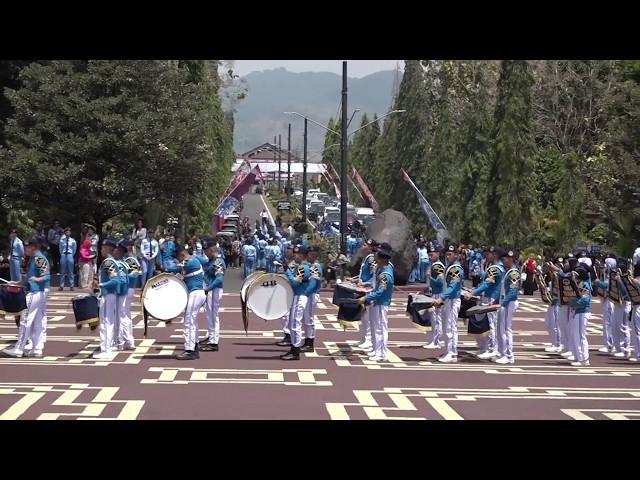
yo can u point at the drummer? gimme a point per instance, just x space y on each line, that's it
193 275
381 299
436 281
509 288
299 280
313 295
290 264
214 270
123 331
32 325
490 290
365 279
453 278
108 281
134 270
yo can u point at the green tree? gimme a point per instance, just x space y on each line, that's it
512 195
111 138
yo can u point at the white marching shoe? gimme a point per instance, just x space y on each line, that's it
604 350
487 355
103 355
504 361
566 354
448 358
365 346
13 352
580 364
431 345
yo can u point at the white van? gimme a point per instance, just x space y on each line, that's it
365 215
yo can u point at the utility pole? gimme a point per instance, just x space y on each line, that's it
343 164
289 164
279 163
275 147
304 177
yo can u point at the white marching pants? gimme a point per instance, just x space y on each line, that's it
43 340
309 316
505 330
635 328
619 328
551 322
607 317
130 294
379 329
213 315
31 324
450 324
579 341
194 304
365 326
297 316
108 317
436 330
563 327
123 332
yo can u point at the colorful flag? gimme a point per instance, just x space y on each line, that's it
433 218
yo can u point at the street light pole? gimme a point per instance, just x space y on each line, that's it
343 164
275 147
304 177
289 164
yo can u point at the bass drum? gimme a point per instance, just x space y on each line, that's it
247 282
270 296
165 297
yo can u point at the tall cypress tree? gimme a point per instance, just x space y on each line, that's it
512 194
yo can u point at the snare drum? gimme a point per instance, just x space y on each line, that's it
420 311
86 311
478 319
13 300
346 296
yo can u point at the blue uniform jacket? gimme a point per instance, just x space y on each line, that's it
193 274
214 273
39 267
133 270
437 281
299 278
510 287
109 276
315 279
453 277
490 287
383 287
582 304
366 268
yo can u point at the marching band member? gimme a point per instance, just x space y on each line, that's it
436 281
313 295
109 282
635 315
621 311
490 290
299 280
123 328
193 276
509 304
33 324
453 277
214 277
551 317
564 312
133 272
607 305
367 273
290 264
580 317
381 299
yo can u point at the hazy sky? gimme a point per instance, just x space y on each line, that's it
355 68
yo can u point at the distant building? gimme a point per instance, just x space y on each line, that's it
268 152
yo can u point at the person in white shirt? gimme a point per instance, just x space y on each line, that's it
149 249
67 249
139 234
